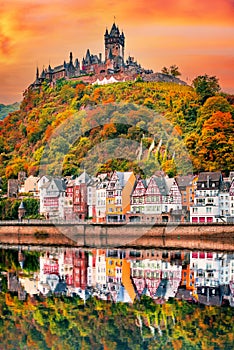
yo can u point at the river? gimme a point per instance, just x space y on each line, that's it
60 297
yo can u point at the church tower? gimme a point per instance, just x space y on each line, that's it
114 43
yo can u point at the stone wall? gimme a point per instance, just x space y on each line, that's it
214 236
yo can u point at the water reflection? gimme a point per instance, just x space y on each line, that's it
119 275
60 298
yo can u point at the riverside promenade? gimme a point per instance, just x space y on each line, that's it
218 236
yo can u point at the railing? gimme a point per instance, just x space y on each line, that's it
89 222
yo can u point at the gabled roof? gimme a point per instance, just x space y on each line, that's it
123 177
84 178
161 183
58 68
213 176
60 184
169 183
184 181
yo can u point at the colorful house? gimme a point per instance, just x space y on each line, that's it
118 194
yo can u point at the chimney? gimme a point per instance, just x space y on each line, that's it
208 181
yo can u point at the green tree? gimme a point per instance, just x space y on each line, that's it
206 86
172 70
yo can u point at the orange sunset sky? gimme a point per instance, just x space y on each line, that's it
196 35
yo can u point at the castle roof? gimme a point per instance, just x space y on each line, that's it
58 68
114 29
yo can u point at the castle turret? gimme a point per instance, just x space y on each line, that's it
43 74
21 211
71 58
77 64
114 41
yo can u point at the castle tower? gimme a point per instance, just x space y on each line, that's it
21 211
114 42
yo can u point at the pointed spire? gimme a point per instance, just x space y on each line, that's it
71 57
106 33
77 64
113 29
37 73
43 73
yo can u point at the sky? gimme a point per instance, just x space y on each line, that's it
196 35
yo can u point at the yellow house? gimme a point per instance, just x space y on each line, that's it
118 194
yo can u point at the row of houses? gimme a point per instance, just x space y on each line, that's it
124 275
126 197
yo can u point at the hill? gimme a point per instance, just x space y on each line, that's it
63 129
6 109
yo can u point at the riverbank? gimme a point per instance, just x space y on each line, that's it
168 235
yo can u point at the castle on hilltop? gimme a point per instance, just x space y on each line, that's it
113 63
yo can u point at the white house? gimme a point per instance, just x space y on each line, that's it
206 201
52 195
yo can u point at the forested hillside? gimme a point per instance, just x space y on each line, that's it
6 109
74 118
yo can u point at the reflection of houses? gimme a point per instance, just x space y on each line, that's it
50 271
30 284
80 264
122 275
100 268
146 275
152 277
91 269
171 274
204 270
209 295
114 262
14 285
67 270
118 277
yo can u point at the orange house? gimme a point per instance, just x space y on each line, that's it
118 194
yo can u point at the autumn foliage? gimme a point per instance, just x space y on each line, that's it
205 129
